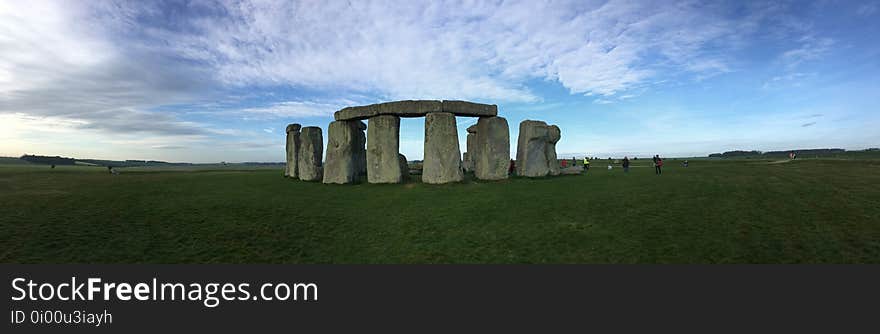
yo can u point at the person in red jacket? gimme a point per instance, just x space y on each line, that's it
658 163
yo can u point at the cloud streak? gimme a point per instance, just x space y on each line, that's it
442 49
155 73
297 109
55 67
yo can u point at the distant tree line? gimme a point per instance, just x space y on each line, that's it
818 151
46 160
56 160
735 154
805 152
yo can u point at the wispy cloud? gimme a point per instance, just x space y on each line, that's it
811 48
133 56
442 49
168 147
793 79
54 66
167 76
808 124
867 9
298 109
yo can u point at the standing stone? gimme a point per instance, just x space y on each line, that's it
493 143
404 167
383 143
471 154
311 148
344 149
553 163
292 149
531 149
360 152
442 156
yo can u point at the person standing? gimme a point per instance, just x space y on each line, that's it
586 164
626 164
658 165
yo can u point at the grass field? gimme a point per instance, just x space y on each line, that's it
742 211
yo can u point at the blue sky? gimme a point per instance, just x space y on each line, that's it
207 81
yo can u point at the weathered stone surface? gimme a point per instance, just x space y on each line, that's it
383 144
356 113
553 163
345 146
531 149
409 108
469 156
493 145
571 170
404 167
311 149
360 153
442 156
416 108
292 150
465 108
405 108
471 146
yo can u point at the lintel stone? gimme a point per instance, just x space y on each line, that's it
416 108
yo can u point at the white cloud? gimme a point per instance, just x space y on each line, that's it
448 49
811 48
296 109
57 64
135 55
793 79
112 68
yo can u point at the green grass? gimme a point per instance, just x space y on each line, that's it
814 211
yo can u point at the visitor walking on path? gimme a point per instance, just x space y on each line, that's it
626 164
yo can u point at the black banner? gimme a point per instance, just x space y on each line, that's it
449 298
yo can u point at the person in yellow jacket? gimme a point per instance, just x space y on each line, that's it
586 164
